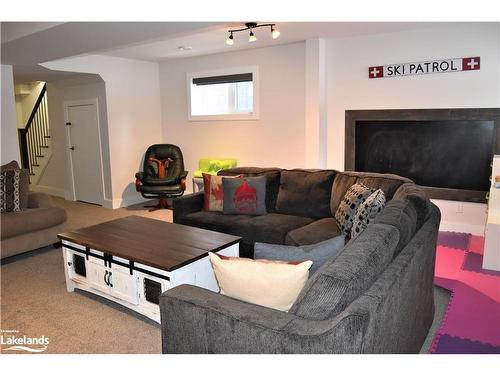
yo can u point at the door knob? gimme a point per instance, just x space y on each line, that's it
72 148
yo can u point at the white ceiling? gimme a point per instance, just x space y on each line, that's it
77 38
15 30
213 41
27 44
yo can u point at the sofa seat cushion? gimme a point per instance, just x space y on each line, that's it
317 231
30 220
346 276
270 228
216 221
305 193
319 253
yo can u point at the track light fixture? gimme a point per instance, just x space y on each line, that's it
250 26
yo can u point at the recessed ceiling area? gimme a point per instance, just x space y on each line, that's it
77 38
213 41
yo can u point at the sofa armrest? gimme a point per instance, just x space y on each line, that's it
186 204
39 200
196 320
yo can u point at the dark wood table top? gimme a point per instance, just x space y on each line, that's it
155 243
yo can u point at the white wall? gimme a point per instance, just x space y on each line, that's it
275 139
133 115
349 87
26 97
55 179
10 143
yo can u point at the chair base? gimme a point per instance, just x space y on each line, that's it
162 204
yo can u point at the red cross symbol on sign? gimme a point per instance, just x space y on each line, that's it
375 72
471 63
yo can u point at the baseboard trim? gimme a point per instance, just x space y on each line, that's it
49 190
476 230
124 202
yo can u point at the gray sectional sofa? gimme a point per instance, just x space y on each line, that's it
374 296
36 225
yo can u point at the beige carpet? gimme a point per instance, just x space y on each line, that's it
34 300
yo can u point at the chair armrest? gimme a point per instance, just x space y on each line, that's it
196 320
187 204
39 200
183 175
139 175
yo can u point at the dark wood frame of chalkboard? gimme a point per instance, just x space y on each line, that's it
459 114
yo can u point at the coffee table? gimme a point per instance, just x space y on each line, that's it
132 260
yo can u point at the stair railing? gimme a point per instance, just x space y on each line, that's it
34 137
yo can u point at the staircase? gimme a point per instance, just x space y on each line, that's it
34 139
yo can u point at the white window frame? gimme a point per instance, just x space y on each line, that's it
230 116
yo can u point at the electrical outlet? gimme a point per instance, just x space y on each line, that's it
460 208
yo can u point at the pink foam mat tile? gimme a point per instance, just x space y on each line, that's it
476 244
488 285
472 315
448 262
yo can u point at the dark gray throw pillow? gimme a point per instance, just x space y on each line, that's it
245 195
319 253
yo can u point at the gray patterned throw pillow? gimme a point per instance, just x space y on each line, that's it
10 190
367 211
344 215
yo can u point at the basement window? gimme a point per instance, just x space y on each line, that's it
223 95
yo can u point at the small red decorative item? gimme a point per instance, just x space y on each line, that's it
245 198
162 165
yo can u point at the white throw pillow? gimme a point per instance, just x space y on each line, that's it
270 283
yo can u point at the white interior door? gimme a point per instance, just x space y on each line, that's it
85 152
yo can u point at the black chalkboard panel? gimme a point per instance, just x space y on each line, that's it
443 154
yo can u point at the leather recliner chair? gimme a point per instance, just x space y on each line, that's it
163 174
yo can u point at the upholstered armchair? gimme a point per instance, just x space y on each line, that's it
163 174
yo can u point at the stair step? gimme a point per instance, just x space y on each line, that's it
35 165
44 146
46 136
39 156
32 174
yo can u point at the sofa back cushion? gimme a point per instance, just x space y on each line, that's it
349 274
402 215
305 193
272 181
388 183
417 197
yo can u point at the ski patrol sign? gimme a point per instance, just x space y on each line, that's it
425 67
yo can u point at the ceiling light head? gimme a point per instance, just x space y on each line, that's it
250 26
252 37
274 32
184 48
